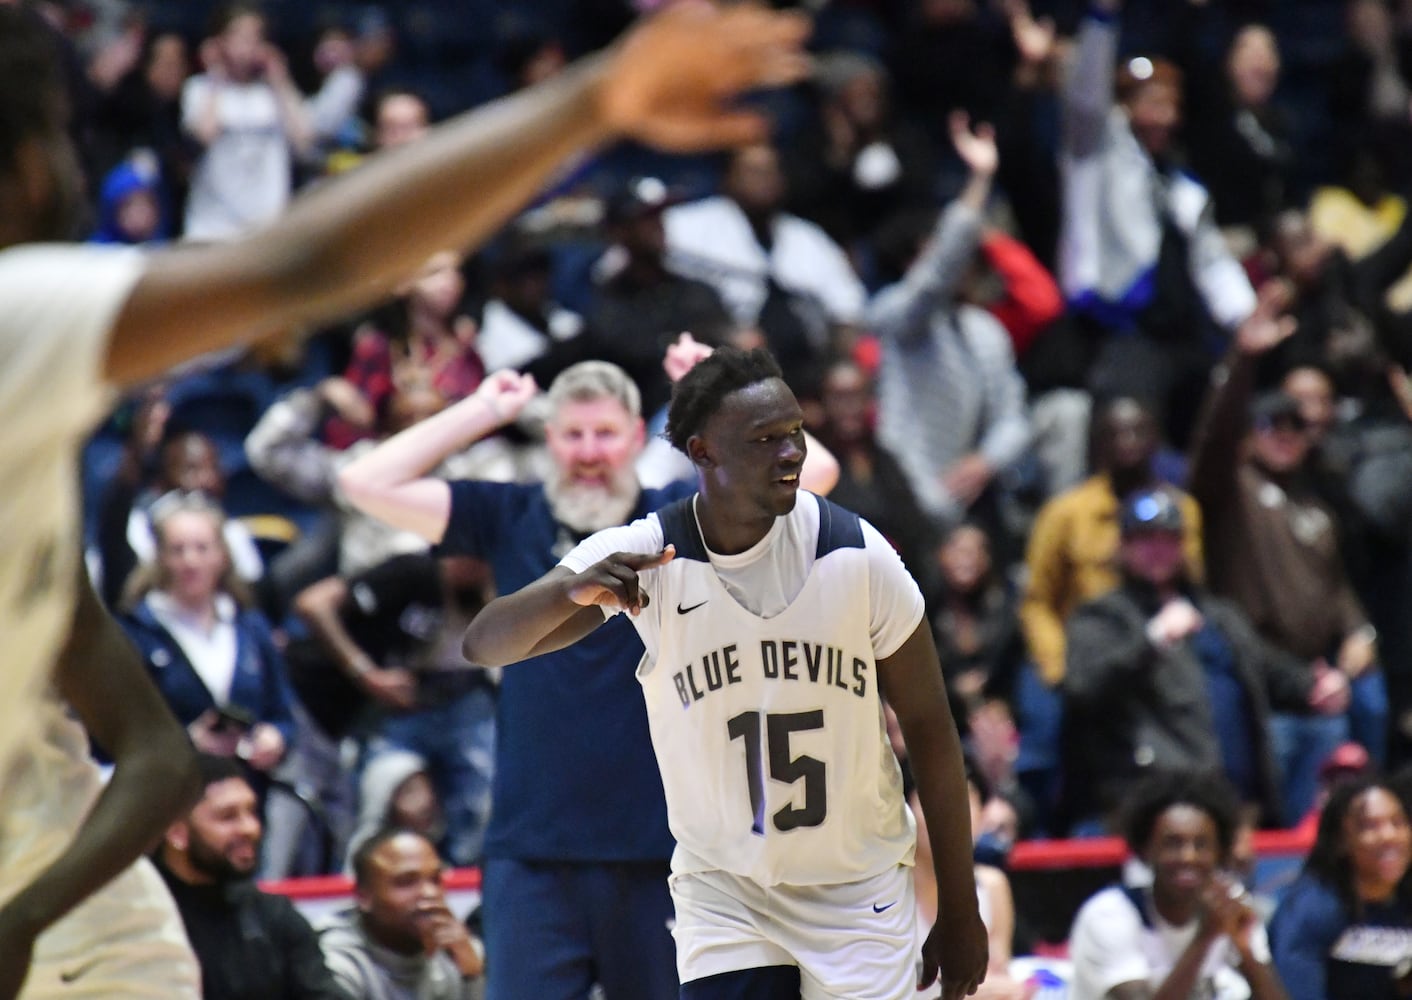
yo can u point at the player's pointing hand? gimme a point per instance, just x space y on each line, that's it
613 582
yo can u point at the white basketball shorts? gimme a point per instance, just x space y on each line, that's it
854 941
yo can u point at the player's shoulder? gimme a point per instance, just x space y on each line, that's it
677 520
839 528
60 259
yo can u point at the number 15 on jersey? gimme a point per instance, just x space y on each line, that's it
766 736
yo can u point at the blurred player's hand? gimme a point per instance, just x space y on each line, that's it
16 951
959 952
669 83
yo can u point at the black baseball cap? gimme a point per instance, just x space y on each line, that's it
1150 510
639 197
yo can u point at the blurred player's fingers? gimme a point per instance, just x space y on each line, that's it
649 560
929 971
709 131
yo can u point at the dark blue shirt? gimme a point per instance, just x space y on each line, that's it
575 775
1322 952
1231 714
260 685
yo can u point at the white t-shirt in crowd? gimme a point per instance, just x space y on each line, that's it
711 240
244 178
1111 944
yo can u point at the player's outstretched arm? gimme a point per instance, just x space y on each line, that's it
348 243
101 676
911 681
390 482
558 609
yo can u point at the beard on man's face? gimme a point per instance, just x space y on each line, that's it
587 508
216 864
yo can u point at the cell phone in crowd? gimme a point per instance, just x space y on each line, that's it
235 718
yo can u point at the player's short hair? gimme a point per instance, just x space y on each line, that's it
1208 792
362 862
701 391
591 380
32 92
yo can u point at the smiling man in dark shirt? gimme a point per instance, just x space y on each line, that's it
251 945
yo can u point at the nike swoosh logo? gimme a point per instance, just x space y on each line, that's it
82 970
880 909
681 610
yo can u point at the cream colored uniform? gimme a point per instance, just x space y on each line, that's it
57 307
760 677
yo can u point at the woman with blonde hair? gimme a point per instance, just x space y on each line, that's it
212 656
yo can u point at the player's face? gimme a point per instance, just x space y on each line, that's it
192 556
755 446
1183 853
404 887
1378 838
224 831
593 441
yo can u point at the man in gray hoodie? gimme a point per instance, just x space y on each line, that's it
401 941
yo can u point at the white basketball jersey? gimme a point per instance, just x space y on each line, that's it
769 731
57 305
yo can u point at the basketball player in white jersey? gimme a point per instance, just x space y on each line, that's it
77 322
775 625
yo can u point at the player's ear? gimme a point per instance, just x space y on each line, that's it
696 451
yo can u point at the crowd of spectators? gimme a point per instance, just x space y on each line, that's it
1104 313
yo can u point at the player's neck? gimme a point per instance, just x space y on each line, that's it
728 531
